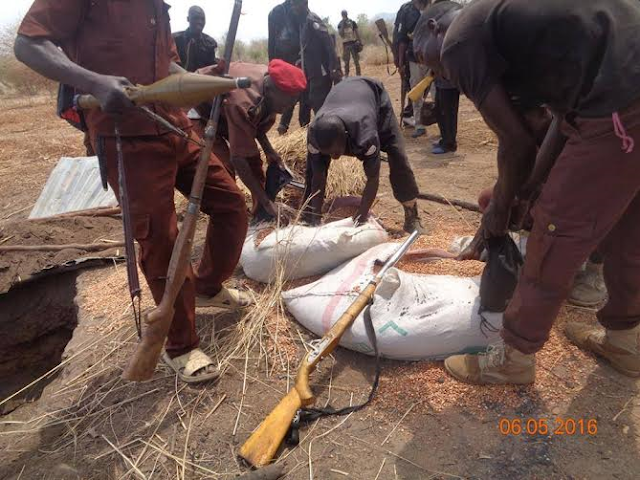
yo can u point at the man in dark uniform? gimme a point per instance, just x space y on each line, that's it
100 48
405 74
301 38
581 60
357 120
195 48
407 60
351 43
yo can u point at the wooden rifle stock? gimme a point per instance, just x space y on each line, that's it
417 92
158 320
383 31
260 449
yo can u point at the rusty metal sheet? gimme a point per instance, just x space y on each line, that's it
74 184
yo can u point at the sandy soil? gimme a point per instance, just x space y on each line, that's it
90 424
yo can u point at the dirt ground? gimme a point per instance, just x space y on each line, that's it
90 424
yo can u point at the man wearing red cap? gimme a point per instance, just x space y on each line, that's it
247 117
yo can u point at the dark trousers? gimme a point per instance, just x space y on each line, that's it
401 176
405 86
155 166
350 50
311 100
447 105
590 202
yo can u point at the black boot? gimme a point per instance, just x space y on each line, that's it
412 219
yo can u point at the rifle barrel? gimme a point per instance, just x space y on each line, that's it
398 255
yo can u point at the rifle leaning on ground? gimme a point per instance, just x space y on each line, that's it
261 447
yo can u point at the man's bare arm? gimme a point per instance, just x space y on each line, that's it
269 151
49 61
253 184
516 157
317 191
370 191
176 68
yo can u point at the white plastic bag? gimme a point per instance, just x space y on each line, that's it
306 251
415 316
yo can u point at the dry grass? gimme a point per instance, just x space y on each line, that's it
376 55
346 175
15 77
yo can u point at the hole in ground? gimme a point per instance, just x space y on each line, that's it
37 320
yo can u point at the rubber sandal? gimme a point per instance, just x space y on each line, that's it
227 298
419 133
188 364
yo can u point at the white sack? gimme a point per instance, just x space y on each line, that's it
306 251
415 316
461 243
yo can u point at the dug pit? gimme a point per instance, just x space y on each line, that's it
37 320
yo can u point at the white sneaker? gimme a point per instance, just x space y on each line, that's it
408 122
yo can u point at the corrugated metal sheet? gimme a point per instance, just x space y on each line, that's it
73 185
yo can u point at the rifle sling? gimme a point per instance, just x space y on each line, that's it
307 415
386 49
127 226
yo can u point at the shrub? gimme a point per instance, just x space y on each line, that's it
16 77
376 55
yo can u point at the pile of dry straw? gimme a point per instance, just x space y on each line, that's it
346 176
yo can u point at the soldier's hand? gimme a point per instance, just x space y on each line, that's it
361 219
214 70
495 221
110 92
277 159
474 249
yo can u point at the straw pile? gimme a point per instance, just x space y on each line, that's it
346 176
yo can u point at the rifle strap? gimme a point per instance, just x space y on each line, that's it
130 248
307 415
386 49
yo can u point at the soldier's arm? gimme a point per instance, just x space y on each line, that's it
372 172
40 54
516 156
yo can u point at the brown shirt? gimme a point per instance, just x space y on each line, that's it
245 111
131 39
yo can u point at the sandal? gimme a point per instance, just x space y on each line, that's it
186 366
227 298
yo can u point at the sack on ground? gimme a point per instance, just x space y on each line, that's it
300 251
415 316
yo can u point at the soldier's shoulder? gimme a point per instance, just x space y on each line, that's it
210 40
316 22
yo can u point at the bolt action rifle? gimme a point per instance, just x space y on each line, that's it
263 444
